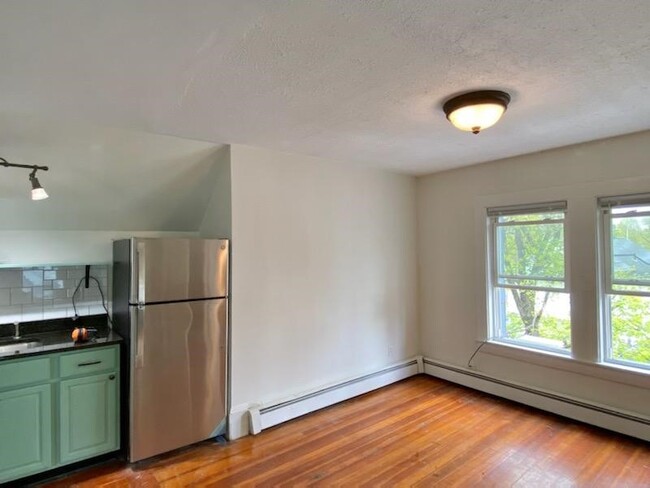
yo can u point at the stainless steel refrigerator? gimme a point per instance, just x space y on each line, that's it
170 303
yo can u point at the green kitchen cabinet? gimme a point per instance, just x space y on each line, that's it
25 431
57 409
88 417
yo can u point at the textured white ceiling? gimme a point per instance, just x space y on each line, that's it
103 179
357 80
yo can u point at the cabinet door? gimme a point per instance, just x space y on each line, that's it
25 431
88 417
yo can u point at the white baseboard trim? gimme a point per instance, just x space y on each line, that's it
238 422
252 419
628 423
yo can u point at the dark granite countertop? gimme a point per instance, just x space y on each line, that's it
56 335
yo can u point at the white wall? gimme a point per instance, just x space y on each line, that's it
103 178
324 272
21 248
217 220
451 220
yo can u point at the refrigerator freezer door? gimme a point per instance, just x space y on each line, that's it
178 375
165 270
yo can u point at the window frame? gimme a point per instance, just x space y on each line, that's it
605 276
495 327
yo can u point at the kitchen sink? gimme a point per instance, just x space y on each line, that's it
17 346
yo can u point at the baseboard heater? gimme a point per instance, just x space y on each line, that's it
271 415
599 409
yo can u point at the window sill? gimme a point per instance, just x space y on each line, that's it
556 360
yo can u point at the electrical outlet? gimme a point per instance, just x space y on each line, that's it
391 351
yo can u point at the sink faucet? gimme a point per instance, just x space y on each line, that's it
16 330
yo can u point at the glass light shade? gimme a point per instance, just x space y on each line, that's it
474 118
39 194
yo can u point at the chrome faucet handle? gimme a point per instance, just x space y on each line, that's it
16 330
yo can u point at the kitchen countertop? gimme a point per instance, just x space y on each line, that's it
55 336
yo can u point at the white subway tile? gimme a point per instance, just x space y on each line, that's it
75 274
33 277
56 313
21 296
45 292
37 294
5 297
57 293
56 274
99 271
11 314
31 313
96 309
11 278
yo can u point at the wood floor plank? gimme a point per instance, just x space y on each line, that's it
418 432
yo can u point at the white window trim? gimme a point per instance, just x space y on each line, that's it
586 338
618 373
491 255
605 279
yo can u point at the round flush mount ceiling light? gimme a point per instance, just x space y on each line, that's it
477 110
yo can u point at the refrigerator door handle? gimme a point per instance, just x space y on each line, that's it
139 341
141 275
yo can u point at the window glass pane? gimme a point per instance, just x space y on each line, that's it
630 328
534 318
531 255
532 217
630 243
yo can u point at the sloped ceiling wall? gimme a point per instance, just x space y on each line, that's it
104 179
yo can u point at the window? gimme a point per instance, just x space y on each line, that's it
529 303
625 279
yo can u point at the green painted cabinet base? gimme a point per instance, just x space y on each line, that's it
57 409
88 417
26 431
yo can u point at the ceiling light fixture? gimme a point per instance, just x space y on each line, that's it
477 110
38 192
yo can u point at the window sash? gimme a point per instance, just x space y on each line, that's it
494 224
530 277
531 287
606 206
606 311
498 327
494 276
608 276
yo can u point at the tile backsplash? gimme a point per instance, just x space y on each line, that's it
45 292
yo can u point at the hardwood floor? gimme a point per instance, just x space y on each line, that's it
419 432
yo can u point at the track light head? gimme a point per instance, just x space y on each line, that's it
38 192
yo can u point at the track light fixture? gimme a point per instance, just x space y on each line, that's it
38 192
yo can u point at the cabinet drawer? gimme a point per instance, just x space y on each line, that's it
90 361
24 372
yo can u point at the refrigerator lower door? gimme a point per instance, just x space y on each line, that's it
178 375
